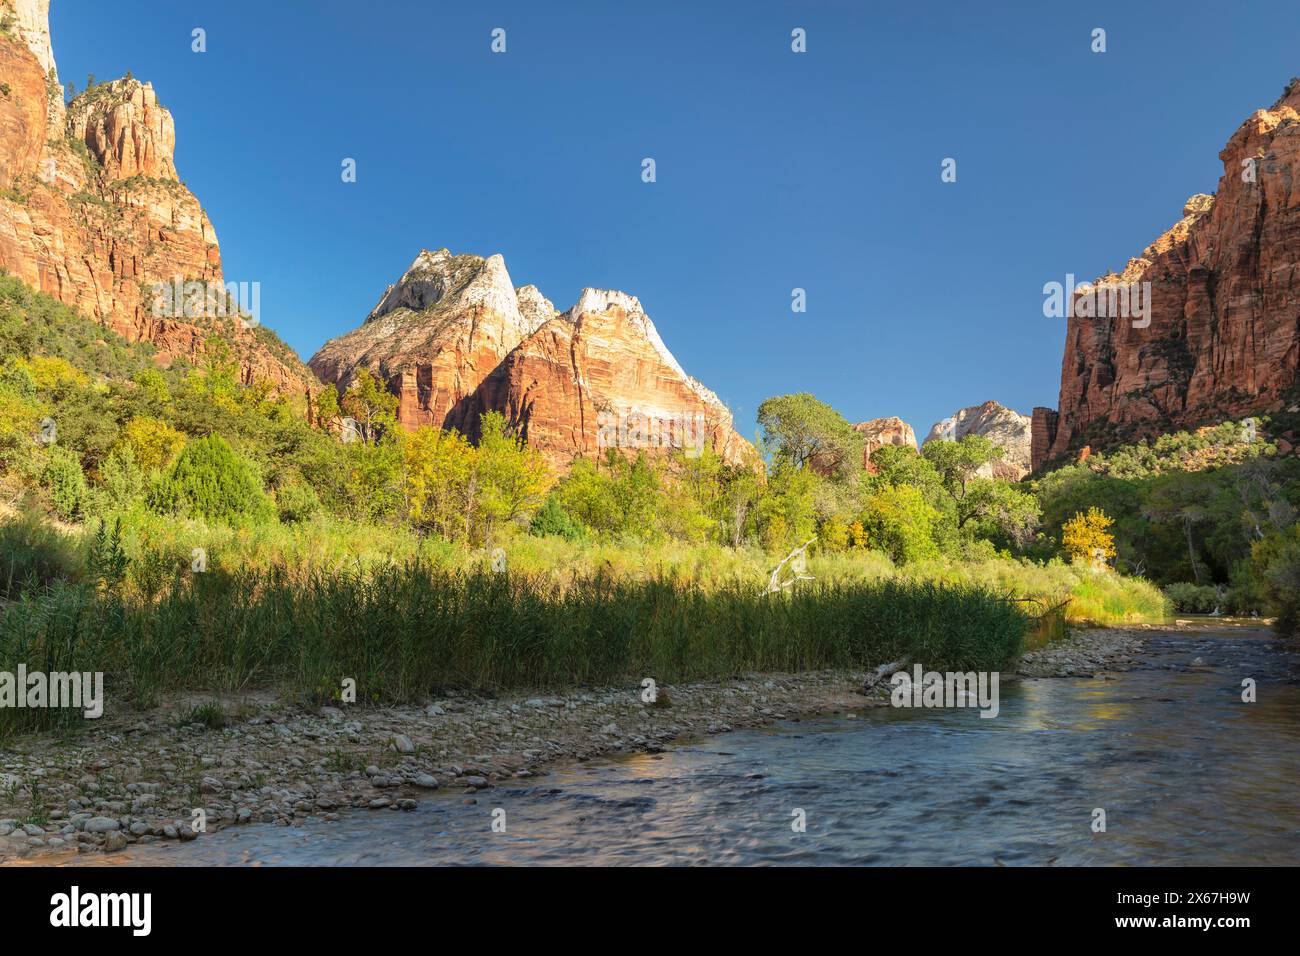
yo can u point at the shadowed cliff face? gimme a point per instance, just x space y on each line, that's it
93 213
453 338
1224 332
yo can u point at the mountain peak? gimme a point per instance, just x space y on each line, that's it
443 281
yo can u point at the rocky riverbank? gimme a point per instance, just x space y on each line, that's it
140 778
1085 653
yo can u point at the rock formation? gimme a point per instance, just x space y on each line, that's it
1223 337
436 334
453 339
1006 428
879 432
93 213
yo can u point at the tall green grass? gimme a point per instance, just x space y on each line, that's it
406 631
158 547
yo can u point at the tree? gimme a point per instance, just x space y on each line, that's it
808 431
439 484
152 443
902 523
210 480
992 508
957 462
327 410
786 512
512 478
369 403
1086 537
66 483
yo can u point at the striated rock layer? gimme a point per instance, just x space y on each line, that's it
1224 333
1006 428
880 432
453 338
93 213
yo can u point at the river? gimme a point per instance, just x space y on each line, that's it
1186 772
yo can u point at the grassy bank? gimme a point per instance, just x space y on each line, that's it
156 548
407 631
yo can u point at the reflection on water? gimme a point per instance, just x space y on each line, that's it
1186 772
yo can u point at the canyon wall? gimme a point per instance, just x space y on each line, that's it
1223 336
93 212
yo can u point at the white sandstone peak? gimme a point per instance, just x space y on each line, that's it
535 309
596 301
440 279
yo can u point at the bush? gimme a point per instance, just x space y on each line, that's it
1275 566
209 480
296 502
551 518
66 483
1194 598
33 555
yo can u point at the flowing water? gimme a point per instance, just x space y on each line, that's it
1186 772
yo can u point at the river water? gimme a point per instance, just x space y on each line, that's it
1186 773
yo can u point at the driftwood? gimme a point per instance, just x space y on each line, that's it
775 585
880 673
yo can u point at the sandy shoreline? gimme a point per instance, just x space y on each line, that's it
137 778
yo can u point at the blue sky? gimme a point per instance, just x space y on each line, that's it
775 170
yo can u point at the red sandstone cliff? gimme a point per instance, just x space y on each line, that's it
1224 335
93 213
453 339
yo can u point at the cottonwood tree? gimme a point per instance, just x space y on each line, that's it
810 432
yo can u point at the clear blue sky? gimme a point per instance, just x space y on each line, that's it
775 170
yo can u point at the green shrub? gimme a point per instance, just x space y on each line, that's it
1275 565
66 483
33 555
296 502
551 518
1193 598
210 480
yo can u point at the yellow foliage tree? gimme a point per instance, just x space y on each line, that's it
1086 539
153 443
440 468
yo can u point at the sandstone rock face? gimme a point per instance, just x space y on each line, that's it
435 335
1006 428
92 211
454 339
32 26
880 432
1223 339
